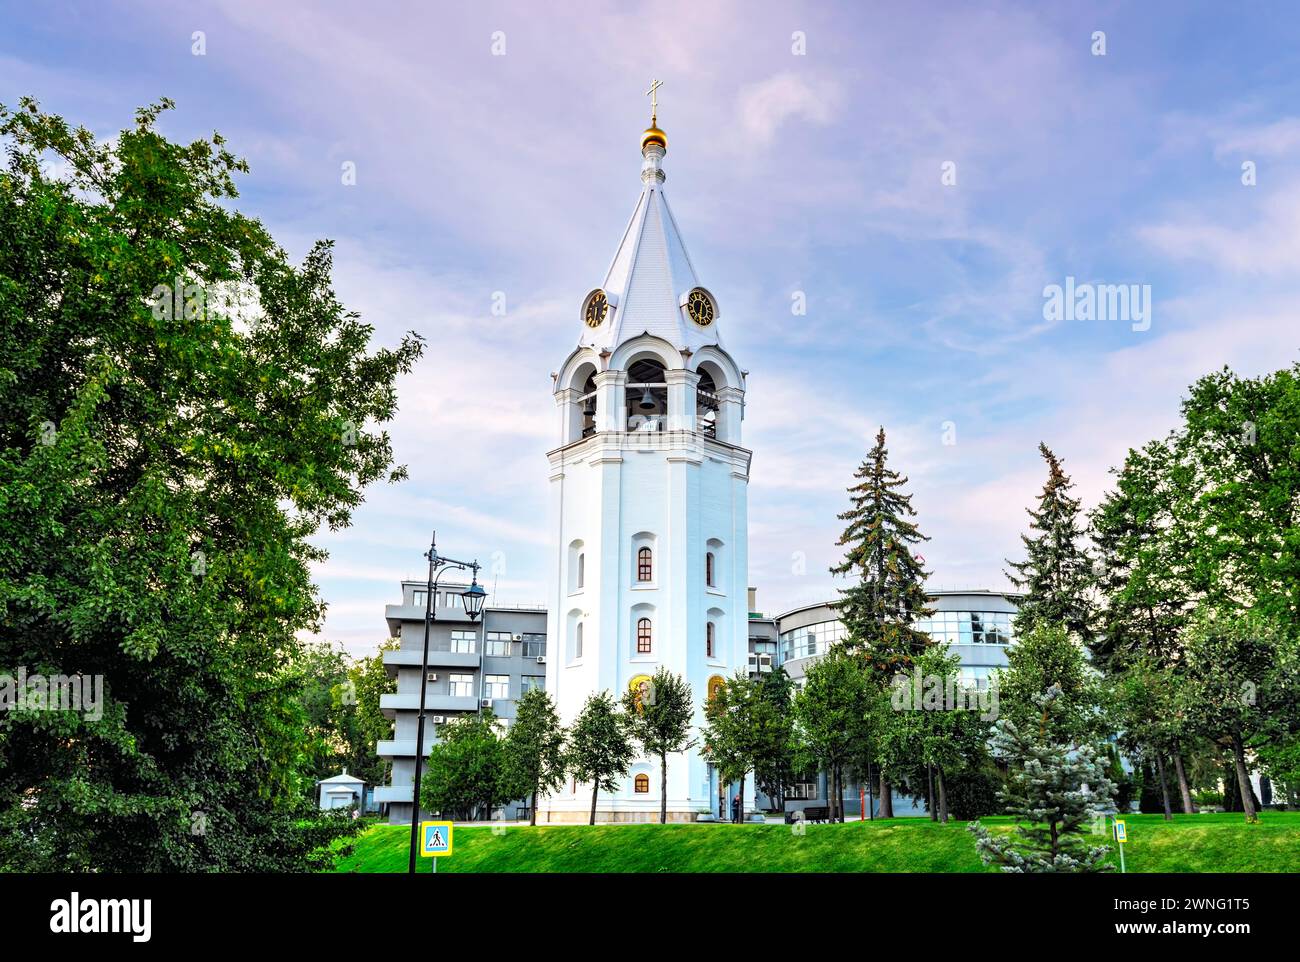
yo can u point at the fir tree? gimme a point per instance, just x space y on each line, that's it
1056 574
1053 790
880 610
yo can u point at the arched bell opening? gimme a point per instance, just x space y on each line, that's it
647 395
707 405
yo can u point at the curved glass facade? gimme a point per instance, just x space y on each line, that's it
953 627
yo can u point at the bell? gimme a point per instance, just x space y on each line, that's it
589 409
647 402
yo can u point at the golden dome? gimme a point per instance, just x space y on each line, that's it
653 135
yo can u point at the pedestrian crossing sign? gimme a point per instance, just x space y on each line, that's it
435 839
1121 831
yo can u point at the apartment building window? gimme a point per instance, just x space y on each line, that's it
460 686
418 598
534 645
530 683
498 643
644 637
644 564
463 641
496 686
708 640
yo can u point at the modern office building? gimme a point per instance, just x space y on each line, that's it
975 624
486 663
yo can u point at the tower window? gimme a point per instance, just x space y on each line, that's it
708 639
644 637
582 569
708 569
644 564
641 784
577 641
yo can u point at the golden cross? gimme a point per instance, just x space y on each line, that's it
653 94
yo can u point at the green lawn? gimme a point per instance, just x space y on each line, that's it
1191 843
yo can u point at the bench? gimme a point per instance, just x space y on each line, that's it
814 813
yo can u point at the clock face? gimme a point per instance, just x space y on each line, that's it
700 307
597 308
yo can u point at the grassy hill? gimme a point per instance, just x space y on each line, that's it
1191 843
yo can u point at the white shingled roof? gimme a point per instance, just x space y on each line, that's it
649 278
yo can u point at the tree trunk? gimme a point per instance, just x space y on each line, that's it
740 809
839 791
929 793
1164 787
595 787
532 812
886 797
943 795
663 789
1183 789
1243 779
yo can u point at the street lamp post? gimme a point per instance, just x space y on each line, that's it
474 597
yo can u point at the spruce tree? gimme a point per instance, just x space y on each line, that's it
880 610
1056 574
1054 790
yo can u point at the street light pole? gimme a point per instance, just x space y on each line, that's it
474 596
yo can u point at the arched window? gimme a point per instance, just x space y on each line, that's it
644 639
582 569
708 639
577 641
708 569
641 784
644 564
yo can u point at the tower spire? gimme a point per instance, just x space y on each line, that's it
653 135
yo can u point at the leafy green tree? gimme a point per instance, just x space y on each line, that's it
1056 574
465 776
181 410
600 746
830 712
1241 678
1054 789
534 750
1239 485
660 719
774 753
733 714
952 739
1048 658
369 681
1152 722
880 609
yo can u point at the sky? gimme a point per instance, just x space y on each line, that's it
918 175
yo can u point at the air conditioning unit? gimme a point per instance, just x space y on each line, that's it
541 659
485 702
431 676
519 637
438 719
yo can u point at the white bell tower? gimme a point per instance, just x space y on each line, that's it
648 506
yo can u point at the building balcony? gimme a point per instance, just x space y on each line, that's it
393 793
393 702
405 747
410 658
